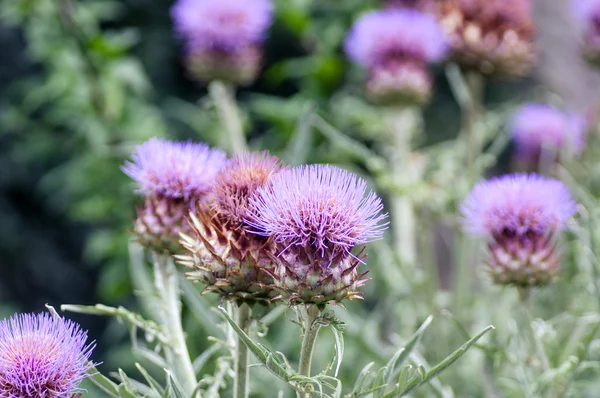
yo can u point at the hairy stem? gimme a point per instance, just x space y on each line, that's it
178 357
311 330
240 388
224 100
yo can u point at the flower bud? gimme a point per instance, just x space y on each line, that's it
226 257
494 37
521 216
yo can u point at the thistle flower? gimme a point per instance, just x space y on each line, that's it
588 16
316 215
521 215
42 357
229 260
173 177
223 38
396 46
494 37
537 127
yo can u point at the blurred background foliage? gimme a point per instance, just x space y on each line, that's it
83 82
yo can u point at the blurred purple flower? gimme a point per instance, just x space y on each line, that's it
379 36
175 170
395 46
587 13
536 126
42 357
318 208
521 216
224 25
223 38
517 204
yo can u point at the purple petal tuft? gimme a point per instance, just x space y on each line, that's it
517 204
320 208
176 170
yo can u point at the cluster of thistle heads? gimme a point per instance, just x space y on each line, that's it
251 228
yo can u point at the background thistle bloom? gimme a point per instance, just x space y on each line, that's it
588 16
495 37
173 177
396 46
42 357
317 215
223 38
538 126
228 259
521 216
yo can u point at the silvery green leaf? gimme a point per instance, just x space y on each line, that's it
155 385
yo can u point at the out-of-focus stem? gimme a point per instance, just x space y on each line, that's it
240 388
471 113
178 357
526 321
403 126
311 330
224 100
470 120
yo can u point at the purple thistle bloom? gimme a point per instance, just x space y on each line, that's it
224 25
175 170
535 126
517 204
316 215
521 216
318 208
395 46
42 357
379 36
588 14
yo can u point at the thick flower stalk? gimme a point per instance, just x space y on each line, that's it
493 37
542 131
222 253
396 47
42 357
521 215
317 215
587 13
223 38
173 177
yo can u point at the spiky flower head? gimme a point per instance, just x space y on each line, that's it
494 37
223 38
317 215
396 46
587 13
173 177
539 127
224 256
42 357
521 216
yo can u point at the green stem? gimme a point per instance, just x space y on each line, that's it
470 121
527 321
311 330
240 388
224 100
178 357
403 127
